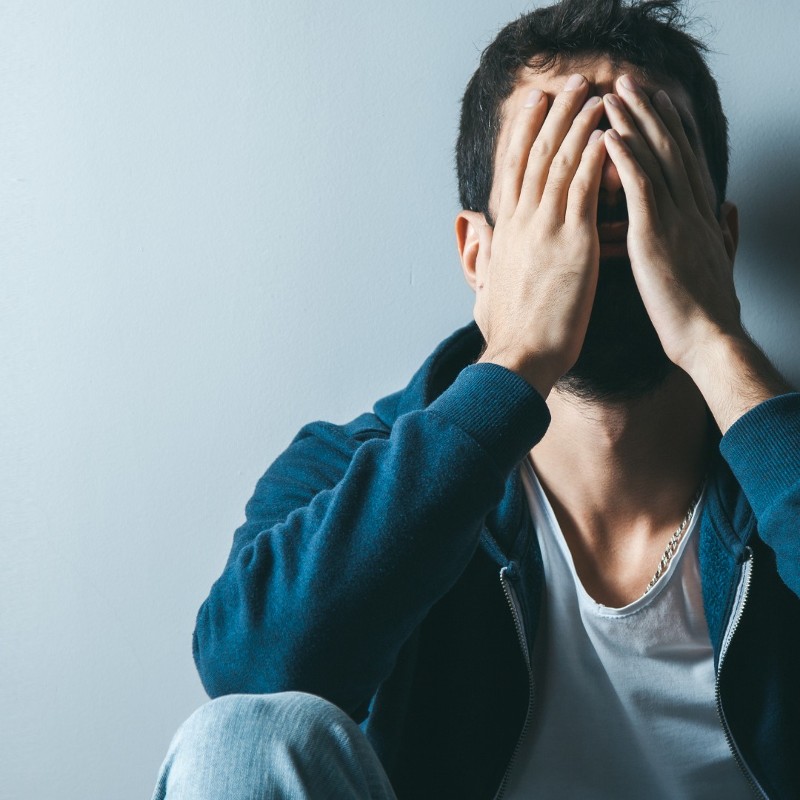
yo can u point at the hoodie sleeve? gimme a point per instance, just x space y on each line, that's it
348 544
763 449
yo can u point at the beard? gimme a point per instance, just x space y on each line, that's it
622 358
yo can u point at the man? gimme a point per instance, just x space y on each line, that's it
538 571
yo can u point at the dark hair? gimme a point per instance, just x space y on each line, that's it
649 34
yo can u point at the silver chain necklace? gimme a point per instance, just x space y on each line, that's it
675 540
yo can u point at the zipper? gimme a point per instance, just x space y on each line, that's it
513 604
741 599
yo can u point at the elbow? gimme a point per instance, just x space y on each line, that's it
233 658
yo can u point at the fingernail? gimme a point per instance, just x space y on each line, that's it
613 100
592 101
595 136
612 134
533 98
662 98
575 82
628 83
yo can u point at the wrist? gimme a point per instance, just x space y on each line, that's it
531 368
712 350
733 375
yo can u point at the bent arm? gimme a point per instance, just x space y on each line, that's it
347 545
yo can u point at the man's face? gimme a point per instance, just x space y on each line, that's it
601 73
622 357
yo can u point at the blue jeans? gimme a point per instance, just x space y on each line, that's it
253 747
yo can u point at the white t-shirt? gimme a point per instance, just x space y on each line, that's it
624 703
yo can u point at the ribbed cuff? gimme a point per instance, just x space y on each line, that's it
498 408
763 449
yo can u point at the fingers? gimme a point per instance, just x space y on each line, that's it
661 143
621 119
636 183
527 125
584 190
566 161
675 126
566 106
658 138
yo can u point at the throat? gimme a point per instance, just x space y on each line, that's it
617 568
619 579
620 479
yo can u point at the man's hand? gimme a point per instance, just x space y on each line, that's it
536 284
681 256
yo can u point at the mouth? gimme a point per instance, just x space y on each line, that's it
612 229
613 232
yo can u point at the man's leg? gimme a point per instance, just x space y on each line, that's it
276 746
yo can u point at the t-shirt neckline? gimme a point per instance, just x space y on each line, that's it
585 599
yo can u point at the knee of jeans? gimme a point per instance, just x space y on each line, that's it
258 719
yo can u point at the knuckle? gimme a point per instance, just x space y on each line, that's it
580 188
504 216
512 161
561 162
665 145
642 183
541 148
564 103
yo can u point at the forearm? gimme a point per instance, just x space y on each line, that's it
734 376
322 599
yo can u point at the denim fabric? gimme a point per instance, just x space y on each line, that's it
288 746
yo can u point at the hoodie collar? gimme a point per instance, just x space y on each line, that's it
726 503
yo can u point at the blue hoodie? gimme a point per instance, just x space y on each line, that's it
390 566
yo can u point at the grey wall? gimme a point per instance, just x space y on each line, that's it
219 221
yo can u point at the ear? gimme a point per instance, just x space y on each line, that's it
729 223
474 241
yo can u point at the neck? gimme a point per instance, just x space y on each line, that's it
620 477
